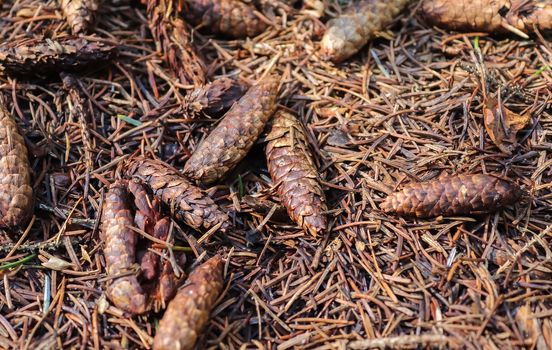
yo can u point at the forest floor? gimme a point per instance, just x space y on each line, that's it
407 108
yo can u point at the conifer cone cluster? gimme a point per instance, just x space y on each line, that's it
128 205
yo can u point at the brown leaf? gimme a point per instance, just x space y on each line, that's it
502 124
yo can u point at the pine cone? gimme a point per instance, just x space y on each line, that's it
172 36
452 195
80 14
185 201
492 16
234 136
227 17
44 57
215 98
188 313
294 173
348 33
16 193
120 250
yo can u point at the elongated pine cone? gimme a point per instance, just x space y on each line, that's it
215 98
227 17
173 37
294 173
453 195
186 202
16 193
490 16
348 33
43 57
119 250
188 313
234 136
80 14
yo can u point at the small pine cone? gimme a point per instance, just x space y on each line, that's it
185 201
188 313
44 57
231 18
234 136
215 98
80 14
119 250
16 193
453 195
348 33
294 173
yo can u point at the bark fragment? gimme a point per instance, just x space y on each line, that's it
173 38
16 193
215 98
227 17
188 313
517 16
80 14
453 195
348 33
294 173
119 250
234 136
41 57
185 201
